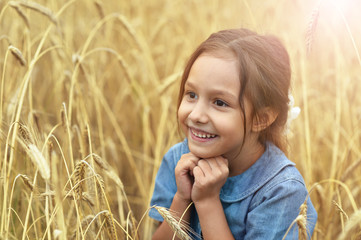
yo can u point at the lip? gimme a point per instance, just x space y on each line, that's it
194 133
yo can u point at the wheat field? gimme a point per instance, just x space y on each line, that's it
88 107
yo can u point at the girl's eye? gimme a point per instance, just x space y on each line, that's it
192 95
220 103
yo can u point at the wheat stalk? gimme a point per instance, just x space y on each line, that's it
85 137
340 209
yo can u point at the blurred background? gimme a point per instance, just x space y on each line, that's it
88 107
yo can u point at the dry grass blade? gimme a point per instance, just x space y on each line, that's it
179 229
63 119
18 55
86 143
347 173
50 150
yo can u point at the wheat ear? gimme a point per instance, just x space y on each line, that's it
79 174
99 7
39 161
177 227
109 222
20 12
36 7
27 181
25 135
301 221
311 28
352 225
18 55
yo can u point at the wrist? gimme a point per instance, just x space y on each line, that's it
178 197
208 202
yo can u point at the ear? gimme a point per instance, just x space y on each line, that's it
263 119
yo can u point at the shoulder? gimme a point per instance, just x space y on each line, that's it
285 178
172 156
288 183
176 151
272 168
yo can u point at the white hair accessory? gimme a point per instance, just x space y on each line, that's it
293 113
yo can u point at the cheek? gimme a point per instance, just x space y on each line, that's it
182 112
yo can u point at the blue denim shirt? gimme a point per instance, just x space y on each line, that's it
260 203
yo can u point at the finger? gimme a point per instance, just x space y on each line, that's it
225 161
186 164
223 165
198 173
205 166
213 163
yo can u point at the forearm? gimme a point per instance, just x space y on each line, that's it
212 219
177 208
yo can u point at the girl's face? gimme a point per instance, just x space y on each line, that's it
210 114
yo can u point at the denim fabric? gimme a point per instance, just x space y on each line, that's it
260 203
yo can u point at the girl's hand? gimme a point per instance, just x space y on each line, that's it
209 176
184 175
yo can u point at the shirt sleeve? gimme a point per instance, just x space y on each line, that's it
165 185
275 209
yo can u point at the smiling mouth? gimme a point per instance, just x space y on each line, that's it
201 134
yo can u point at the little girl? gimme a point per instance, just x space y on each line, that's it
232 107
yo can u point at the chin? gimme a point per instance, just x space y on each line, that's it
202 153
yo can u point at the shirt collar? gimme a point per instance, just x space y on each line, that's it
265 168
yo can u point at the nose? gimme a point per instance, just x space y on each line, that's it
199 113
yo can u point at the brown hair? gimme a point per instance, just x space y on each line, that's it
264 73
